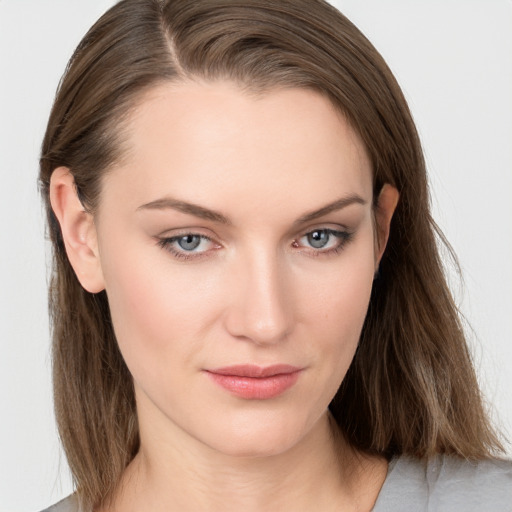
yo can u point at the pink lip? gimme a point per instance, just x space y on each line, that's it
256 382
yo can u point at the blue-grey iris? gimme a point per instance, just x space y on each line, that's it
318 239
189 242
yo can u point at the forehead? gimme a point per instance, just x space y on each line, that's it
207 141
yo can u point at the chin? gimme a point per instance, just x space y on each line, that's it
255 438
256 447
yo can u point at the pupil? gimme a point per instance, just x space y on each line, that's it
189 242
318 239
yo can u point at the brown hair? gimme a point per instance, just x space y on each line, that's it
411 387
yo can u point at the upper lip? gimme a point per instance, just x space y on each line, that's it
255 371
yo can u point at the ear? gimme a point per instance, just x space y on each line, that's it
386 205
78 230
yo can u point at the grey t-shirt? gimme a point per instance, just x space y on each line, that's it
440 484
446 484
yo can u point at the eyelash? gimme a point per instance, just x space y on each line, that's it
167 244
344 237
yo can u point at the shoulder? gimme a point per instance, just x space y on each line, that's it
69 504
446 483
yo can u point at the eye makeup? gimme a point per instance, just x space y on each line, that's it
187 246
323 241
190 245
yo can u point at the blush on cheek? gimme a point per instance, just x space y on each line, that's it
346 306
344 293
154 310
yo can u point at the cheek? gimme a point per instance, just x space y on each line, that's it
159 310
165 314
335 305
338 295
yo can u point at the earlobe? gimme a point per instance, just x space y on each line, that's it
78 230
386 205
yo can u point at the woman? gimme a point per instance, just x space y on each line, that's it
248 305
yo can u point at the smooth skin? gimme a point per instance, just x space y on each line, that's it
237 229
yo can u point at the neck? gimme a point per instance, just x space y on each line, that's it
320 473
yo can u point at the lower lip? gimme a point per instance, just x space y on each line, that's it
256 388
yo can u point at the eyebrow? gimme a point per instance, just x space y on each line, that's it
212 215
188 208
339 204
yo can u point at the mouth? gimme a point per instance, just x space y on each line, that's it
253 382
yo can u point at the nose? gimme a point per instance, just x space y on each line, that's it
261 302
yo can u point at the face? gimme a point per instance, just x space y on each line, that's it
237 248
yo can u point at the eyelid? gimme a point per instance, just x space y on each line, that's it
167 242
343 235
327 226
317 226
168 238
187 230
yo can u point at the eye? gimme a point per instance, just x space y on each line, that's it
187 245
318 239
323 240
189 242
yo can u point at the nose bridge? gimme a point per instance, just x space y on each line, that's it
261 308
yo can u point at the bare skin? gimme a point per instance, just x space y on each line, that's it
322 473
237 230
